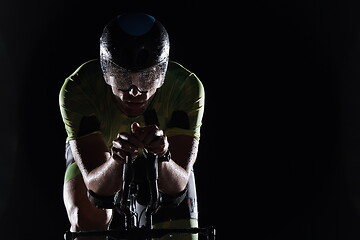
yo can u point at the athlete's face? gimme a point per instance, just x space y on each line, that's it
132 102
133 91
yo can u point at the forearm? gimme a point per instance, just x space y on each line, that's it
102 174
106 179
174 175
172 178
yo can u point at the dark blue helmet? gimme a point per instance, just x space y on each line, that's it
134 41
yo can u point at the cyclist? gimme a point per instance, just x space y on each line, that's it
131 100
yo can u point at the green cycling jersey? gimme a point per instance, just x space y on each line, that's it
87 105
85 94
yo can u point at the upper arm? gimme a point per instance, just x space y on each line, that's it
187 108
183 128
81 123
78 108
89 152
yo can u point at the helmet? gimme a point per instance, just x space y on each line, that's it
134 51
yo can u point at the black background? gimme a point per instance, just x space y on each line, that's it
279 156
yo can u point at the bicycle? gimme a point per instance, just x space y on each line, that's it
138 226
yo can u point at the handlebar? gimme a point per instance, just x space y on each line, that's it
141 233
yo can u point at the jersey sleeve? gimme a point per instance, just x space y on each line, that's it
188 113
77 109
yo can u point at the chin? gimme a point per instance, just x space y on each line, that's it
134 113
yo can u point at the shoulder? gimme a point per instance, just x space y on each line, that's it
88 73
176 69
86 80
181 87
88 70
179 75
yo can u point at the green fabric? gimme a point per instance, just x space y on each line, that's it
182 223
71 172
85 94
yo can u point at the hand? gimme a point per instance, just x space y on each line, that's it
125 144
151 137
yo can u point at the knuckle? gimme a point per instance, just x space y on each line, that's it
154 126
124 137
159 133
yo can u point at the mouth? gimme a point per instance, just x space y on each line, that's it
135 104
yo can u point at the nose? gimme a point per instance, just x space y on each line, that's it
134 91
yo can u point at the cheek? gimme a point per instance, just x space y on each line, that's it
150 93
118 94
